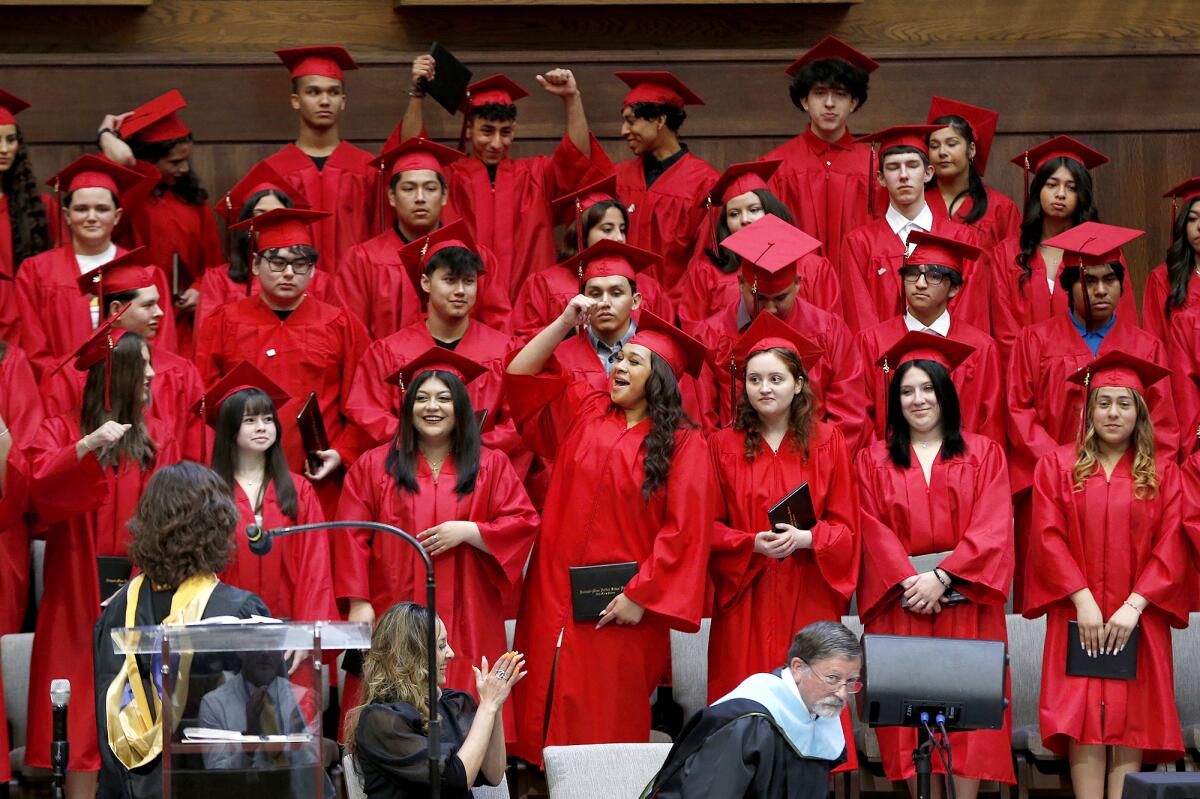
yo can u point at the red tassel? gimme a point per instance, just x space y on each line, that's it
1087 380
578 228
732 389
712 226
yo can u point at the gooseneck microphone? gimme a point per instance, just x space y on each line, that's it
259 540
60 698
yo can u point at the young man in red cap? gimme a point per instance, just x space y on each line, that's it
825 178
371 282
506 201
664 185
303 344
95 194
932 276
332 173
173 223
872 254
1044 409
768 283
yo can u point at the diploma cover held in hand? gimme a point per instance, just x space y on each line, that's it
312 431
593 587
1121 666
795 509
927 563
450 79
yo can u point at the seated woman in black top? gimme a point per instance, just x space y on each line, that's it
388 733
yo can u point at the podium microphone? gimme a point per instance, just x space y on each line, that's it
258 539
60 696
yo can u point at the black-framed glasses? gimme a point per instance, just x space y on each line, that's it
934 277
834 684
301 266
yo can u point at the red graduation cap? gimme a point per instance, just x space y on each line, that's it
93 172
416 254
262 177
416 153
739 179
1117 369
1183 195
831 48
325 60
609 258
918 346
127 272
936 250
440 359
663 88
242 376
10 106
156 120
768 332
682 353
1059 147
281 227
97 348
982 121
900 136
498 89
1092 243
568 207
769 250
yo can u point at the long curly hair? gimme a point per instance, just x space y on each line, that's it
800 413
395 669
664 406
187 187
1031 223
1145 473
1180 260
184 524
727 260
26 213
975 188
128 376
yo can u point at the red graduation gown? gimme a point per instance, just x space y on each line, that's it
371 282
85 507
346 186
965 508
10 315
760 602
315 349
56 319
826 186
1001 220
707 290
836 378
295 578
1191 521
21 408
1016 305
602 679
979 379
872 290
1154 303
545 294
1183 341
1104 539
471 583
217 288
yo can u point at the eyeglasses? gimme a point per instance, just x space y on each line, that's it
834 684
301 266
933 277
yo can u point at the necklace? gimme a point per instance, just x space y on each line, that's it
928 444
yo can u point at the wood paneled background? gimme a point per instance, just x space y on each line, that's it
1119 74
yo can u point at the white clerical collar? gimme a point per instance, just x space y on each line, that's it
901 225
939 327
790 682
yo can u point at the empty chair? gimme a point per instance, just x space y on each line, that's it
1185 645
602 771
689 669
15 651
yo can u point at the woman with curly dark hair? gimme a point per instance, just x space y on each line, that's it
630 497
1172 287
181 538
770 581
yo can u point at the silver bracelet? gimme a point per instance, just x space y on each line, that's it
1135 607
415 93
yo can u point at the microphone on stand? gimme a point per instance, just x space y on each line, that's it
60 697
259 539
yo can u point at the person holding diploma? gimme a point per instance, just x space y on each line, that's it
631 493
1108 557
931 488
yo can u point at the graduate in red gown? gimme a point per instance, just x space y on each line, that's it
1190 470
1183 354
371 281
933 487
1107 552
446 271
1044 409
1170 289
740 197
295 577
589 215
303 344
55 320
173 222
873 253
21 414
663 185
826 178
1024 269
506 201
29 219
959 152
89 467
463 500
332 173
932 275
768 283
631 483
131 283
769 582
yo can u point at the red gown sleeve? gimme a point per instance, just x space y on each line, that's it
1181 354
1166 569
572 168
511 523
352 548
983 559
14 490
885 562
62 485
1028 440
835 536
732 564
1052 572
314 574
22 404
545 405
1190 477
369 402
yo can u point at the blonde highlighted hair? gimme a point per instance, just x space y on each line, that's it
1145 474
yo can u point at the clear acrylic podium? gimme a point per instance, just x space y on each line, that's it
241 704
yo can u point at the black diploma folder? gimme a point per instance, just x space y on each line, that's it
1121 666
927 563
795 509
593 587
114 572
450 79
312 430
